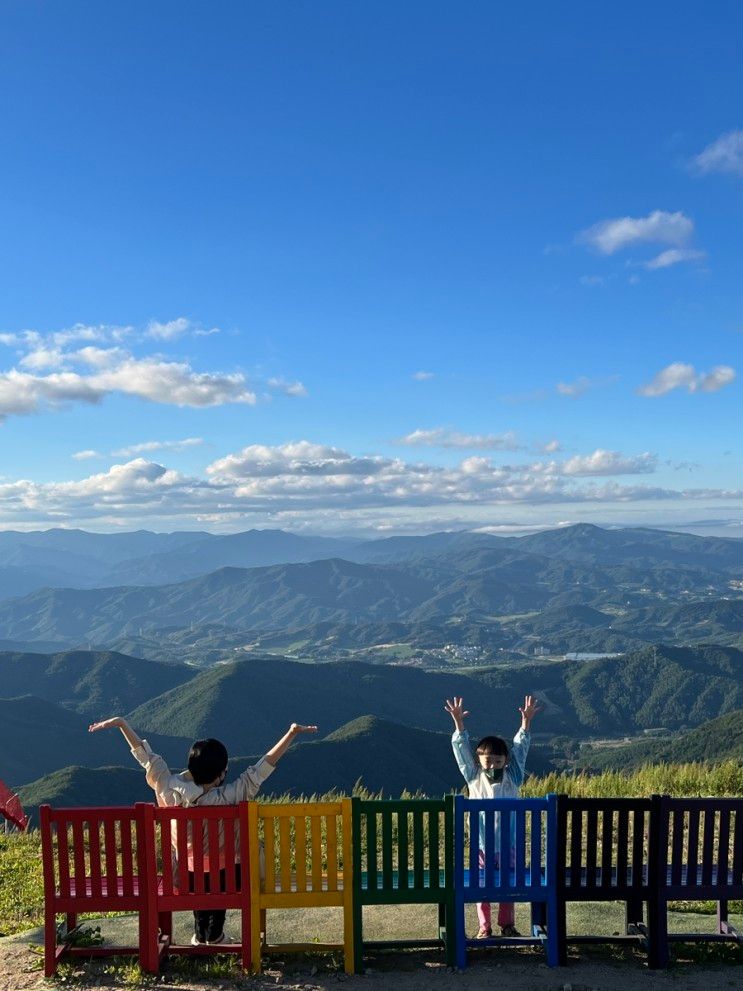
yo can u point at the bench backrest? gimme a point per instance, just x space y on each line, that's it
194 852
701 848
93 857
517 838
605 845
306 846
401 848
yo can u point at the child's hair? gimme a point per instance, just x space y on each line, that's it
206 760
494 745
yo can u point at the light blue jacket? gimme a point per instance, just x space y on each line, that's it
478 782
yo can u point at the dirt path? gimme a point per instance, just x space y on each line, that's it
515 971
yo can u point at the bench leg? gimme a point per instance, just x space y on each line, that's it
149 956
165 923
257 922
247 938
358 935
50 944
71 921
460 938
442 920
538 916
447 913
557 931
657 934
633 913
722 916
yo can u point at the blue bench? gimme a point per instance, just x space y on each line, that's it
518 838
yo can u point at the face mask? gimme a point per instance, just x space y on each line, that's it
494 774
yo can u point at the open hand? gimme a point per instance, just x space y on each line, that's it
529 710
105 724
299 728
455 708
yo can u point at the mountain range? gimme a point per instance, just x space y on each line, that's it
580 588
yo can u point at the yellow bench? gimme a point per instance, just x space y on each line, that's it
308 864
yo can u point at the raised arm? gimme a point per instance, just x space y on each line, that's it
520 748
281 746
248 784
528 711
130 736
460 741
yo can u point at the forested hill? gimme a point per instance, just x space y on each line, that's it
717 740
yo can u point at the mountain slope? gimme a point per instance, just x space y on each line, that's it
717 740
674 687
37 736
97 683
250 703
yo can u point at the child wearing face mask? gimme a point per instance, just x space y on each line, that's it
497 773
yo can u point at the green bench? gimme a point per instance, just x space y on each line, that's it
402 855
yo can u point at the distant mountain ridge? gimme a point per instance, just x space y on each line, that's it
78 559
464 578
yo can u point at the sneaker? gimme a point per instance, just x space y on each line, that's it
195 941
509 931
484 933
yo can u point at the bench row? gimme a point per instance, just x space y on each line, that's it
352 853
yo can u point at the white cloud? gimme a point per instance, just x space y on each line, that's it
173 329
157 445
679 375
86 455
159 381
41 358
723 155
296 389
551 447
422 376
592 280
443 437
51 372
170 330
673 256
575 389
603 462
659 227
303 483
297 458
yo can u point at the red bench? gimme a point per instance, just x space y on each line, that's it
146 860
191 856
93 862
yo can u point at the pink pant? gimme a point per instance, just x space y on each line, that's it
506 911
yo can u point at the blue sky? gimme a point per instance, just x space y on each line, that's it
370 267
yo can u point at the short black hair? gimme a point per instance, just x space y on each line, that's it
494 745
206 760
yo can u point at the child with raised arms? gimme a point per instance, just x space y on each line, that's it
203 784
497 773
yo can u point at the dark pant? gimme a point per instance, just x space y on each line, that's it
209 925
